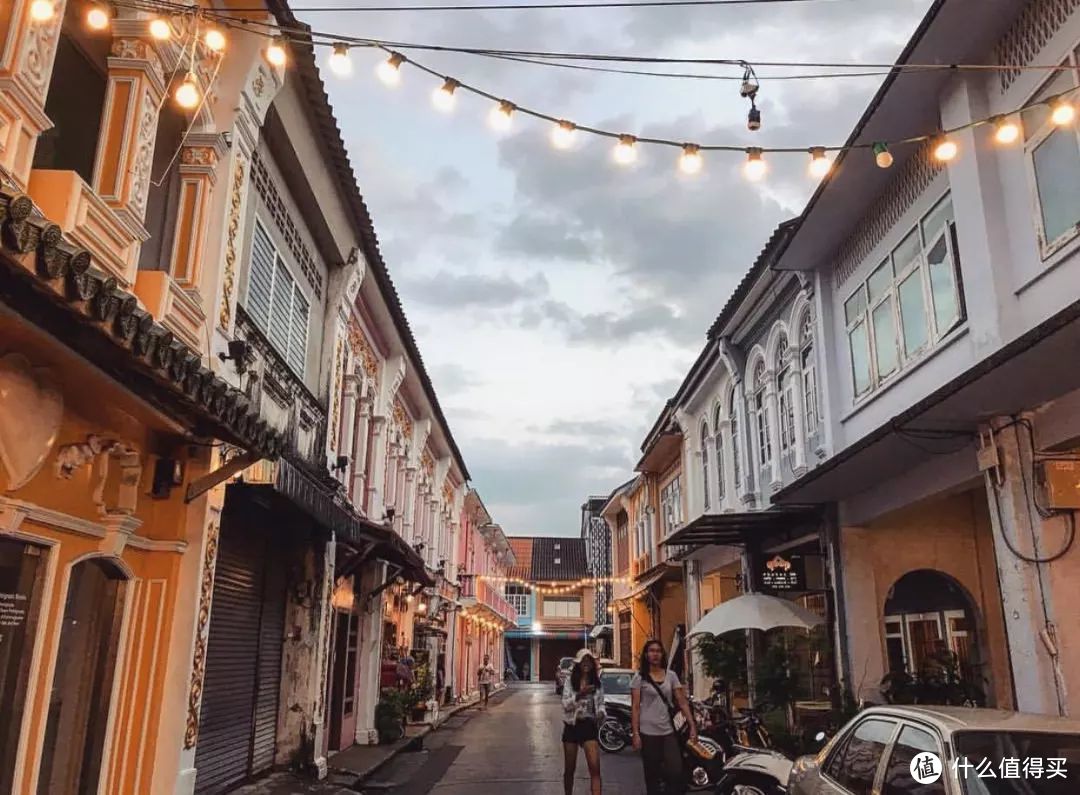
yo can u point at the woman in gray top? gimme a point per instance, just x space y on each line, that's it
654 691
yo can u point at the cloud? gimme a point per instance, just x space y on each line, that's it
454 291
605 329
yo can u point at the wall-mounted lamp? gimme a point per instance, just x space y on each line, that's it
341 464
388 517
239 354
168 473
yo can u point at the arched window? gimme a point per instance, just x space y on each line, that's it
718 441
736 441
761 418
705 463
809 373
785 388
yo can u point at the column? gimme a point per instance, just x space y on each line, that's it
798 405
772 413
321 657
349 401
360 453
370 654
198 167
409 516
724 470
375 498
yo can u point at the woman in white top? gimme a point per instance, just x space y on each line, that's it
654 691
583 712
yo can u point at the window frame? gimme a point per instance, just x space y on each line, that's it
919 264
718 451
1048 248
733 416
762 431
279 262
808 367
705 462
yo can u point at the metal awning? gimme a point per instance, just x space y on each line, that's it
642 586
734 529
601 630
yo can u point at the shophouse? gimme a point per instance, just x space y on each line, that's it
597 536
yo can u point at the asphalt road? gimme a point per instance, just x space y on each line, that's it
514 746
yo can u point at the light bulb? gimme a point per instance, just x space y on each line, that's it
187 93
98 18
1006 131
500 116
389 71
882 156
42 10
160 29
625 151
1063 112
944 149
443 97
755 166
562 135
690 161
215 40
275 52
819 162
340 62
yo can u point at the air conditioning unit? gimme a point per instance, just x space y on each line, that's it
1061 483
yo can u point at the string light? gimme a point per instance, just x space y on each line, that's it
340 62
42 10
819 162
882 156
755 166
500 116
944 149
98 17
1006 131
625 151
444 98
1062 112
389 71
275 52
160 29
562 135
690 161
214 40
187 93
753 119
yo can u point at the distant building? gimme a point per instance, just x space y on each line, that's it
597 536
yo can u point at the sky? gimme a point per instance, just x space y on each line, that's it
559 298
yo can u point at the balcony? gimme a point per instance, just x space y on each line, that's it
643 563
476 592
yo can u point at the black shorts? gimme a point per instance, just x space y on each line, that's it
581 732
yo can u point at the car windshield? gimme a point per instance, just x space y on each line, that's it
616 684
1017 763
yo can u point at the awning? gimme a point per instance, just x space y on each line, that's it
642 586
601 631
734 529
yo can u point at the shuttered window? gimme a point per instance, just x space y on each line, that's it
275 303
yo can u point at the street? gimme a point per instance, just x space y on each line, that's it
514 746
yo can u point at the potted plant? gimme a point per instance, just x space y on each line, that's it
420 693
390 715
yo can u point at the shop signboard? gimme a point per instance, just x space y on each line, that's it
782 574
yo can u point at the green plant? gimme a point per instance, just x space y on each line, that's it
938 681
775 677
390 714
723 657
423 687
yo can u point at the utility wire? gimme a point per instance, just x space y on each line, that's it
592 4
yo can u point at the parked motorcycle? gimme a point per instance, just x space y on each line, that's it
614 732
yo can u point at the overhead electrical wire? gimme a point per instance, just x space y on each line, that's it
588 4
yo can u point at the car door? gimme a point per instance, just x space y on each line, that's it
911 741
853 767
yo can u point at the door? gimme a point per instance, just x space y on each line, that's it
551 651
238 718
343 686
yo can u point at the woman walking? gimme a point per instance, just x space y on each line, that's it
583 711
654 691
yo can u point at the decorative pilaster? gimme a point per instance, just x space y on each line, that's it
199 160
349 403
374 498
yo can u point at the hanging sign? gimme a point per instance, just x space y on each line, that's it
782 573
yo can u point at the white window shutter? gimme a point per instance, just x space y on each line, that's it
281 308
298 334
260 279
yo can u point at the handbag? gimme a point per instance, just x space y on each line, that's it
698 748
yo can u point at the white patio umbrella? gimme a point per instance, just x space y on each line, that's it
755 611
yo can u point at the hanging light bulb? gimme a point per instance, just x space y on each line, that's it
500 116
42 10
753 119
819 162
160 29
882 156
443 97
340 62
389 71
275 52
187 93
562 135
1006 131
755 166
98 17
625 151
944 149
214 40
1062 112
690 161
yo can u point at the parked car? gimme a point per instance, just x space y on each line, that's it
563 671
957 749
616 684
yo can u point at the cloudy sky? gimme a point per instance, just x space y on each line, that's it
557 297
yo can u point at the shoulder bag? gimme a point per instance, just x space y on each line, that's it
683 736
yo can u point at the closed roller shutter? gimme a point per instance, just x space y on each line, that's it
268 681
554 649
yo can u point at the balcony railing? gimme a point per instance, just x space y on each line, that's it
643 563
472 587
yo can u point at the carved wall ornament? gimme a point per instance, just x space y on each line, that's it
401 417
363 351
39 46
236 196
137 49
144 154
31 411
198 156
72 457
339 373
198 662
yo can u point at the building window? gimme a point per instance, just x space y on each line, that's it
809 373
718 441
705 463
562 608
786 387
1053 157
518 597
761 417
736 445
275 303
671 505
908 304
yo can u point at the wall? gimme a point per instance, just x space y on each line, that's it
950 534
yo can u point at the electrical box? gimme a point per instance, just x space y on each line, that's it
1061 482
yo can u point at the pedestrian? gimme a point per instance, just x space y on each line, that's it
486 677
653 692
583 711
404 673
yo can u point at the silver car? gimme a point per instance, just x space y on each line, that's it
898 750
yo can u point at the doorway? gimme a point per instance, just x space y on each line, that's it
343 689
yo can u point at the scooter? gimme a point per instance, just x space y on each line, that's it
759 771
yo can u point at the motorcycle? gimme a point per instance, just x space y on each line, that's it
614 732
760 771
